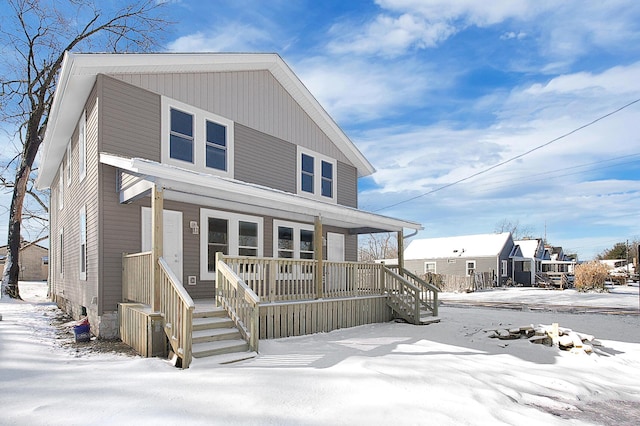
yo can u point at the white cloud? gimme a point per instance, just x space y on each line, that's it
234 37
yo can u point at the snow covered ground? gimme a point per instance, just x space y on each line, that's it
442 374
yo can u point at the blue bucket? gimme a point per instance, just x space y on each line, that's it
82 332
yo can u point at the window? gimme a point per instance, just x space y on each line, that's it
505 268
181 137
82 146
61 252
429 267
196 139
61 186
83 243
69 163
216 146
471 267
294 240
227 233
316 177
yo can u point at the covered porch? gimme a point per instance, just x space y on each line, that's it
264 297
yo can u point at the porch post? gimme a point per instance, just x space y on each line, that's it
317 251
400 253
157 201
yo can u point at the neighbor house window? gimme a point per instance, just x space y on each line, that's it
83 243
196 139
227 233
294 240
504 268
429 267
61 252
82 146
316 175
471 267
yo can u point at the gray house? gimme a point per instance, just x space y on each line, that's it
527 260
187 180
462 255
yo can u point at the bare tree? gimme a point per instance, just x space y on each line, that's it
378 246
518 231
34 37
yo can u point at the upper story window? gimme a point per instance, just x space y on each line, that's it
69 163
196 139
61 186
316 175
82 146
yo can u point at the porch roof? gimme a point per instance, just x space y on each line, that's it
215 191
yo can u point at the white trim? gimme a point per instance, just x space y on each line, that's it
317 175
297 227
61 187
82 247
60 259
69 164
82 146
200 117
504 268
435 267
233 220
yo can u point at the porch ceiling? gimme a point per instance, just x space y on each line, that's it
213 191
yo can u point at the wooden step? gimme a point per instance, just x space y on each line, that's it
209 312
429 319
211 335
205 349
208 323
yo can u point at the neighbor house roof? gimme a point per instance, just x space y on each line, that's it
465 246
529 248
79 71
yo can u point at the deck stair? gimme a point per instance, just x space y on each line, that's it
215 334
402 306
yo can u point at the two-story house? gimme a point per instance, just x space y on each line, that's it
181 169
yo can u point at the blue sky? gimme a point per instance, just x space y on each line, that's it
434 91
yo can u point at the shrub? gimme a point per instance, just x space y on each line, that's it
591 276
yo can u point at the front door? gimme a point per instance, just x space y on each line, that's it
171 238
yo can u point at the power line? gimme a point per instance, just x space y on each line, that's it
502 163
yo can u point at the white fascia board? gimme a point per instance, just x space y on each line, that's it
199 184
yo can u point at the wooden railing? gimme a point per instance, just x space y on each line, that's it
277 280
176 306
240 302
137 277
405 298
428 292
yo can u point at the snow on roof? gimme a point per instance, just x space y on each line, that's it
529 248
461 246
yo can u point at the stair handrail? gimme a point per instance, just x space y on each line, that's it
427 290
397 286
240 301
176 306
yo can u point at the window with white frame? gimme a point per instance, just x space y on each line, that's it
471 267
69 163
292 240
504 268
82 146
196 139
429 267
61 186
316 175
228 233
61 252
83 243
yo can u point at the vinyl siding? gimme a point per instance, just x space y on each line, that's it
264 160
347 191
254 99
483 264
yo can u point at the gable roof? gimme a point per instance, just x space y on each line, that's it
465 246
529 248
79 71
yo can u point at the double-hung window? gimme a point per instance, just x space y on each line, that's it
471 267
82 147
61 187
505 270
293 240
196 139
69 163
227 233
429 267
316 175
83 244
